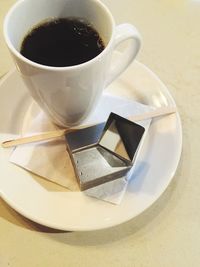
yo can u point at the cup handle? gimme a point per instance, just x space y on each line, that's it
124 32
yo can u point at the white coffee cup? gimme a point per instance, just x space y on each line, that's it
69 94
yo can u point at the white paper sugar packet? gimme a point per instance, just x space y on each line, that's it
50 160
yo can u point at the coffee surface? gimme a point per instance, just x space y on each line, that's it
62 42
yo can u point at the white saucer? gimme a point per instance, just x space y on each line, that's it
73 211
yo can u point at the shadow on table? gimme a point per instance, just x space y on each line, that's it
166 204
99 237
10 215
120 232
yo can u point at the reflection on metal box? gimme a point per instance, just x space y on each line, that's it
104 152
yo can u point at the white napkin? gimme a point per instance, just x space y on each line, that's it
50 160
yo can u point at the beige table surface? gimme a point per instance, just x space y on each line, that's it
167 234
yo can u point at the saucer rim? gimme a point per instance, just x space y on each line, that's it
131 216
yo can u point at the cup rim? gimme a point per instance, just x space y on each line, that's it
52 68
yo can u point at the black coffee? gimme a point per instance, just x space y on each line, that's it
62 42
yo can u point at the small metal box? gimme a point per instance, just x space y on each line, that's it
104 152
